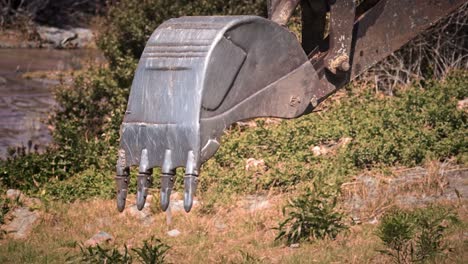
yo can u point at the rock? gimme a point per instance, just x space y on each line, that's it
463 104
55 36
296 245
61 38
458 185
219 225
133 211
407 188
254 203
32 203
178 205
13 194
173 233
145 215
317 151
85 37
98 239
254 164
248 124
327 148
345 141
22 223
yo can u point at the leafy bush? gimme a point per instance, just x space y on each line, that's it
130 24
311 216
415 236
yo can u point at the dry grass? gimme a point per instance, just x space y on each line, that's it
231 235
374 192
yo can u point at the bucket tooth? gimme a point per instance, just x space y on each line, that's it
167 180
167 183
121 180
190 181
144 180
190 187
122 190
143 184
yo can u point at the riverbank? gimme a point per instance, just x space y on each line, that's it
27 77
47 37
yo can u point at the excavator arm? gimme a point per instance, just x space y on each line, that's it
199 75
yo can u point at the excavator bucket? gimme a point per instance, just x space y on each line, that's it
198 75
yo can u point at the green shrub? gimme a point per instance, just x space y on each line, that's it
415 236
99 255
311 216
87 184
153 251
6 205
129 24
402 130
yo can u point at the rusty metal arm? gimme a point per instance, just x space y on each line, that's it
280 11
387 27
381 30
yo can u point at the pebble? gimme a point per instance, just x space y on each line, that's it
98 239
462 104
256 202
178 205
13 194
219 225
173 233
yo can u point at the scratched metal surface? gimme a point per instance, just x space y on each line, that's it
186 60
196 76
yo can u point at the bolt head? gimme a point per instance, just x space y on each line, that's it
344 66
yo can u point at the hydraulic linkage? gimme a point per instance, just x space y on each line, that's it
199 75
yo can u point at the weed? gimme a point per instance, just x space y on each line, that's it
415 236
99 255
310 216
248 258
7 205
153 251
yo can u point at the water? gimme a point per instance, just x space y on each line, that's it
25 104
